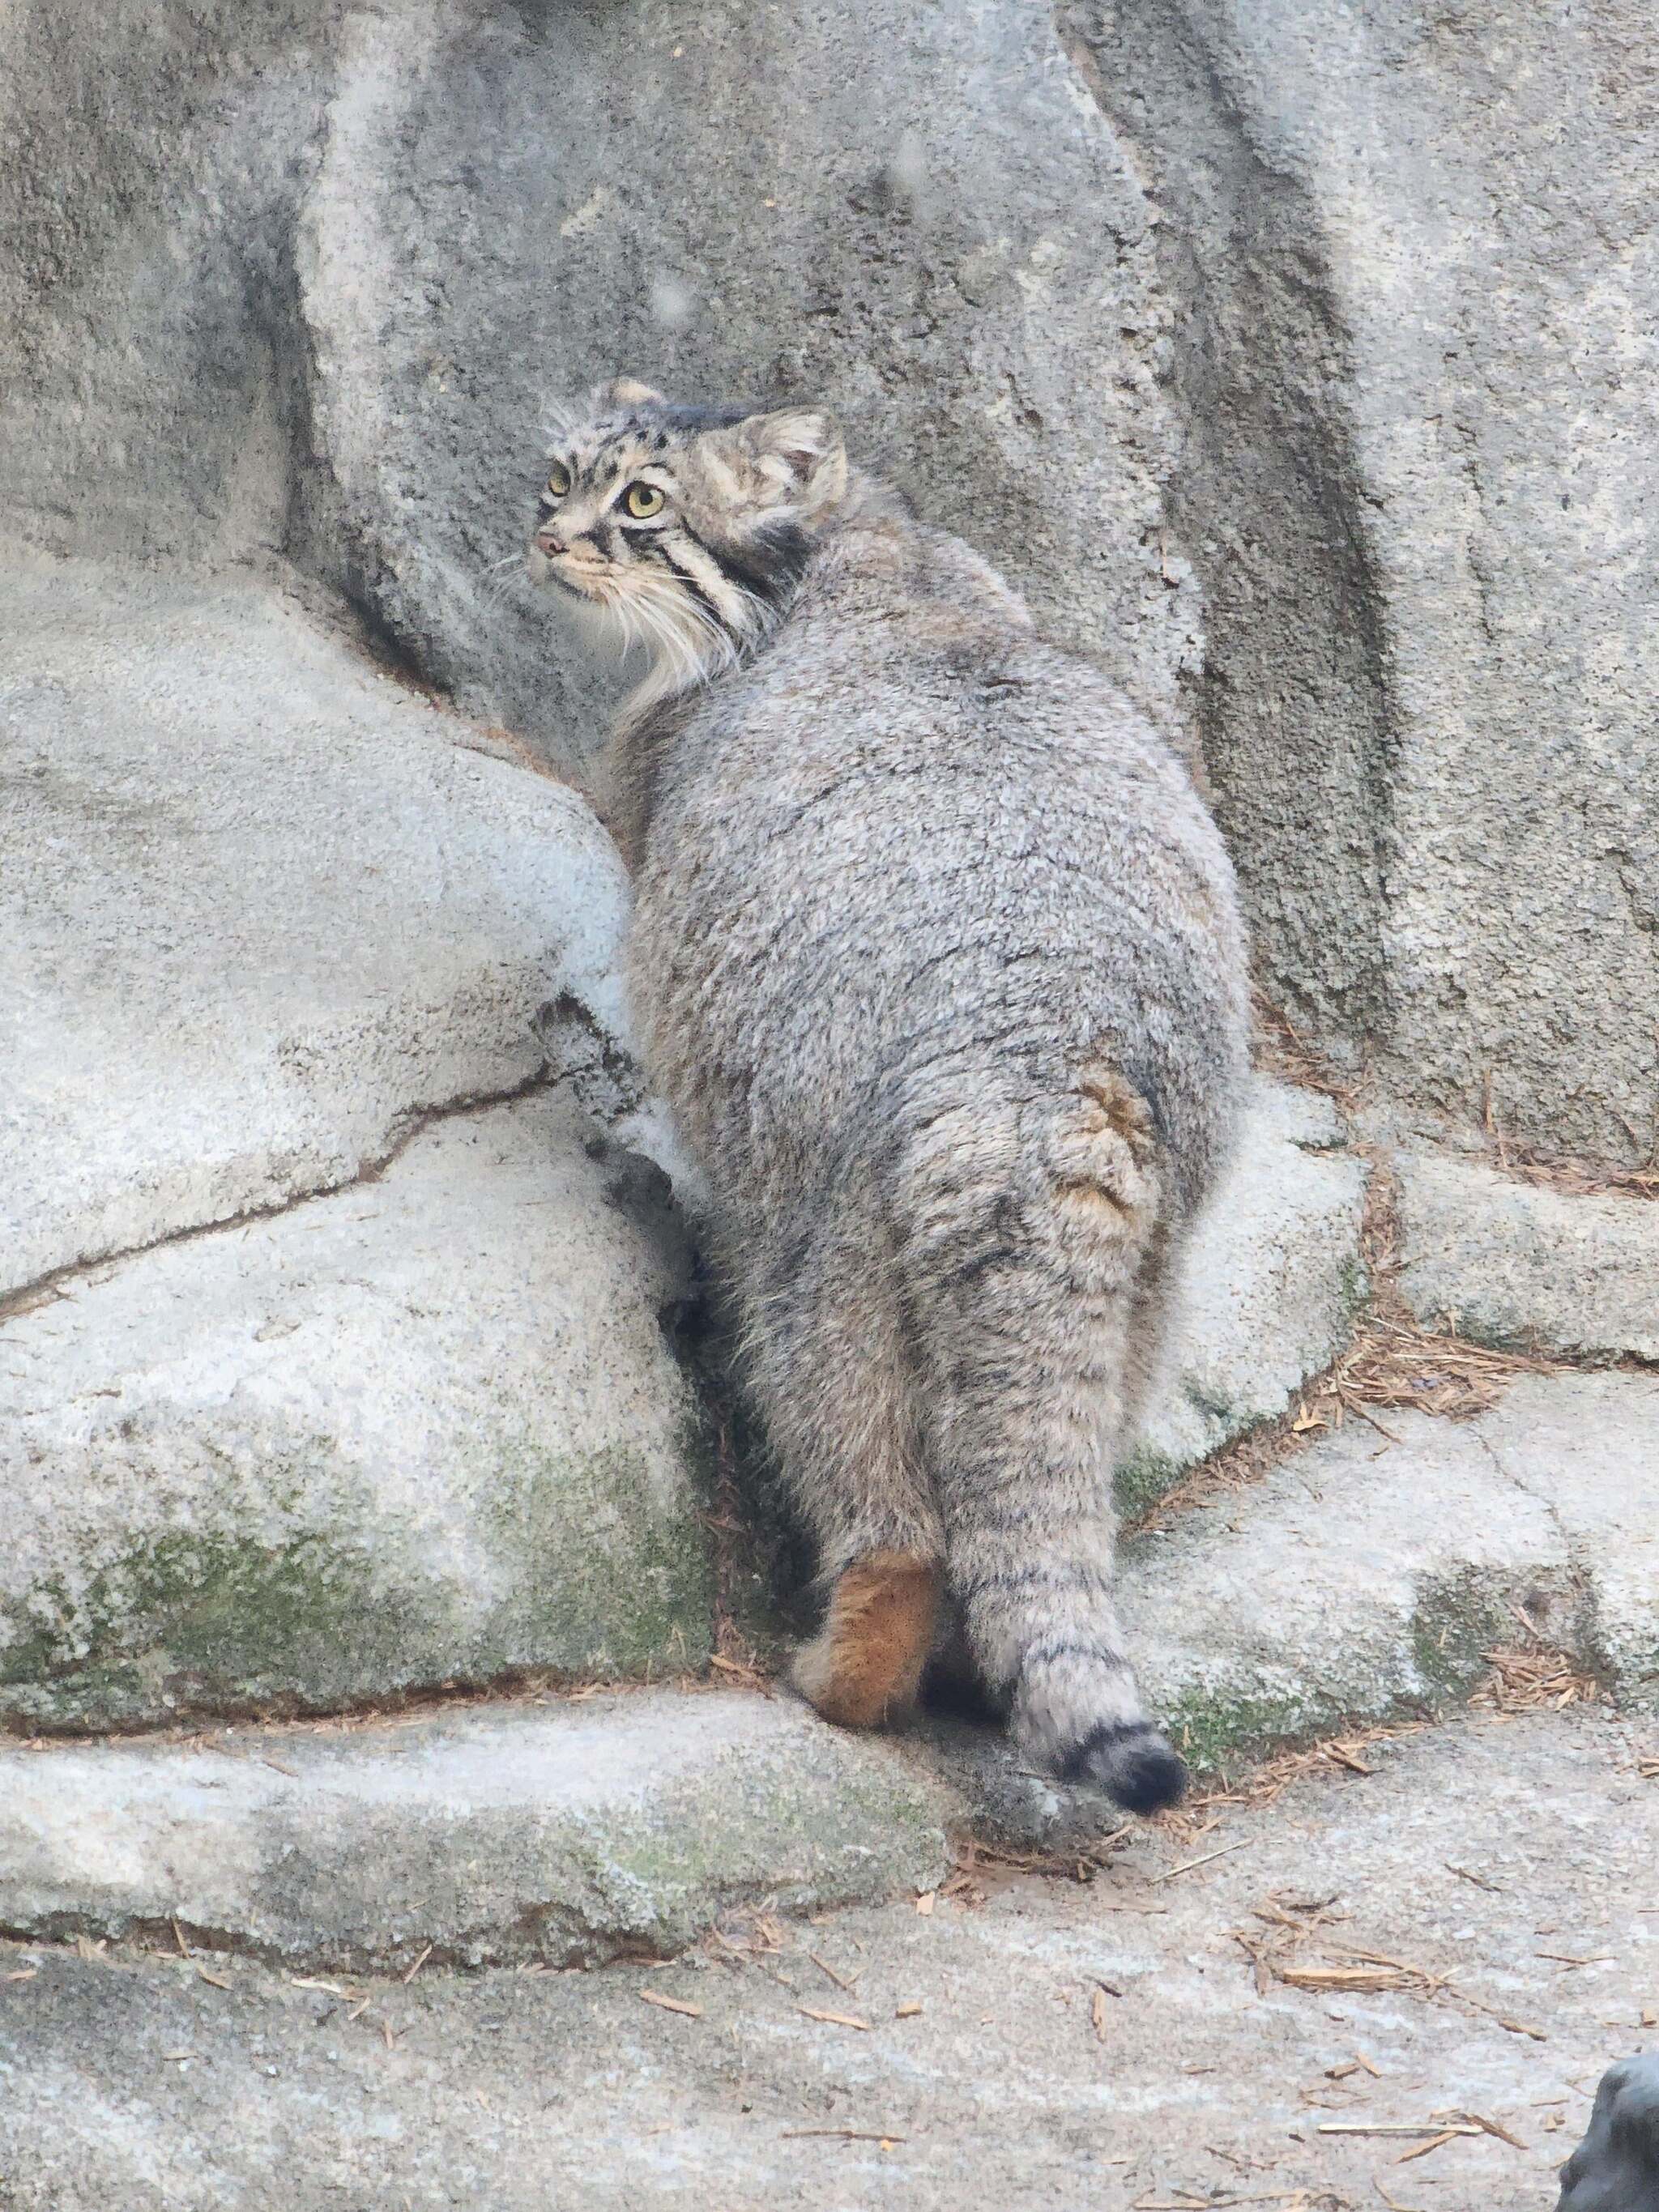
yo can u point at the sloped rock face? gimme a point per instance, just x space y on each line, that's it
915 215
409 228
260 909
1409 253
1270 1287
332 1361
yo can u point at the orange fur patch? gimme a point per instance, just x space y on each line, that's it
864 1665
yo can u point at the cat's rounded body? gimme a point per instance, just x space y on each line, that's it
935 955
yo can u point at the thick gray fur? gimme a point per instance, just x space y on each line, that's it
936 956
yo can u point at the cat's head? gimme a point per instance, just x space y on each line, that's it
684 530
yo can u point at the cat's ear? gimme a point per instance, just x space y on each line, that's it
627 392
800 450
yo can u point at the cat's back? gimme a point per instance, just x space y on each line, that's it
909 675
913 827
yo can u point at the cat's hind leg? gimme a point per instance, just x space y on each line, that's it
829 1367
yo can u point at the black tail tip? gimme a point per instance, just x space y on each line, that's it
1148 1779
1132 1763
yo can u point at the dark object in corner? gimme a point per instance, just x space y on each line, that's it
1616 2168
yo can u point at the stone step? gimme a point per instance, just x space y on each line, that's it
415 1432
1361 1581
994 2067
1368 1575
1516 1263
567 1832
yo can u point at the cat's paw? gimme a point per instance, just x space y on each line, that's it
863 1669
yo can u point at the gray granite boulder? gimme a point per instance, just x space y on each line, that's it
349 254
1269 1288
259 910
1369 1574
1184 310
422 1429
332 1356
1519 1263
564 1832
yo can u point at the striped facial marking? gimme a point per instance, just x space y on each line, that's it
684 529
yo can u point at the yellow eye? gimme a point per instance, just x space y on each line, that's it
558 480
642 499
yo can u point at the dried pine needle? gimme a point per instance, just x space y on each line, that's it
1535 1680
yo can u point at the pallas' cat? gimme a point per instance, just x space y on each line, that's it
935 955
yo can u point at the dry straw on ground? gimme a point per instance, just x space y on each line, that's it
1352 1752
1395 1363
1535 1678
1392 1363
1295 1942
1576 1178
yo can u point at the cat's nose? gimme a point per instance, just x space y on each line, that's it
549 541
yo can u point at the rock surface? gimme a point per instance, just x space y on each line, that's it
1270 1287
1160 301
1587 1446
563 1833
404 230
1415 500
1519 1263
259 909
1364 1578
130 2079
1616 2168
374 1393
426 1429
1360 1580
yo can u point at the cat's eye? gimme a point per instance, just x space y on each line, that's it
558 480
642 499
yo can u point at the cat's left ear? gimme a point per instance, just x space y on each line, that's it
800 450
626 391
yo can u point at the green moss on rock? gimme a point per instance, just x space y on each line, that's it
640 1600
593 1564
1143 1479
1214 1729
188 1619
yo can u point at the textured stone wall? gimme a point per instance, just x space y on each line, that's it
1299 357
1409 253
